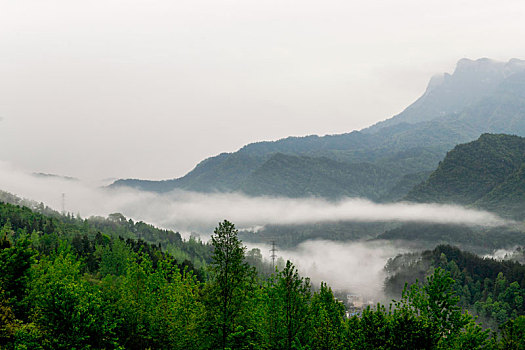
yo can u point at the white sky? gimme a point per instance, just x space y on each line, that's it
147 89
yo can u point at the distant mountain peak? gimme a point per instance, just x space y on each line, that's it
480 96
466 64
55 176
448 94
436 81
484 70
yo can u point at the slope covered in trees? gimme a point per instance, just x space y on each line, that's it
479 97
298 176
487 173
136 297
493 289
29 216
478 239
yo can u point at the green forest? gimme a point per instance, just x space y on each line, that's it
492 289
487 173
71 283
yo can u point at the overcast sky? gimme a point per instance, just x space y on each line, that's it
147 89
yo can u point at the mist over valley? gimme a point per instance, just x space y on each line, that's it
366 191
240 175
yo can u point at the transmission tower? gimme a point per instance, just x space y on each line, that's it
273 255
63 204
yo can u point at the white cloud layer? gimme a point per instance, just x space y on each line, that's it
190 211
355 267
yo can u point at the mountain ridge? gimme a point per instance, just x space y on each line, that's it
494 102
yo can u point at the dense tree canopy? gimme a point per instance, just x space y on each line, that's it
72 289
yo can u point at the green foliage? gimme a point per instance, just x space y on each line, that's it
45 226
327 317
114 258
15 262
68 308
495 290
513 334
8 323
436 303
488 172
29 337
427 317
157 308
71 290
288 320
230 289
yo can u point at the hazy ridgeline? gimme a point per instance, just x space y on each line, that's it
191 211
346 262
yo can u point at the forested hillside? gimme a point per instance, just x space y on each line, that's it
494 290
298 176
479 97
289 236
478 239
487 173
30 216
109 293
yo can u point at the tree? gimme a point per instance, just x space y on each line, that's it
426 317
288 319
513 334
67 307
370 330
7 321
15 262
327 320
437 306
114 258
230 289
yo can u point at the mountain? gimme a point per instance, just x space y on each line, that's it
487 173
381 162
54 176
448 94
296 176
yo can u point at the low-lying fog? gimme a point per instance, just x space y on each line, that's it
200 212
356 266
